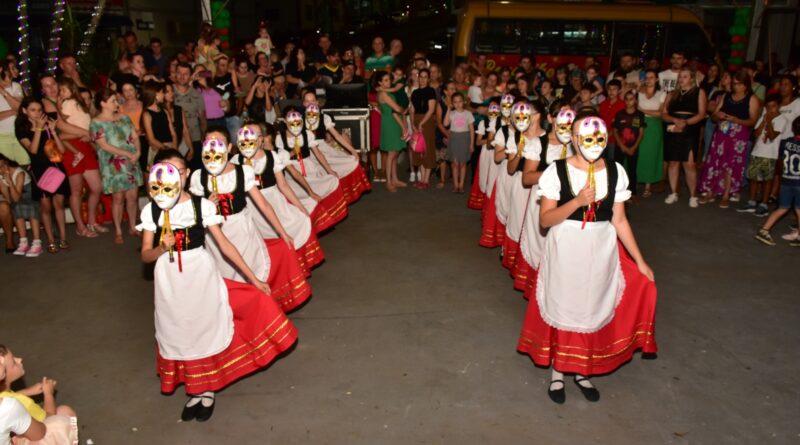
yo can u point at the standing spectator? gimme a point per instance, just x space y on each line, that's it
223 83
736 116
650 165
178 118
391 132
461 140
69 68
561 87
212 100
627 67
761 168
118 150
298 72
263 65
423 110
156 122
10 98
683 110
711 81
546 93
37 133
331 69
349 74
320 56
442 131
395 49
790 107
132 107
132 45
628 130
758 89
526 66
379 60
49 95
608 110
714 100
250 54
191 102
790 186
260 107
172 68
243 79
80 159
158 60
263 43
668 79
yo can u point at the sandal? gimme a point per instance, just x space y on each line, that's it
52 248
647 194
725 203
86 233
440 185
97 228
118 239
63 244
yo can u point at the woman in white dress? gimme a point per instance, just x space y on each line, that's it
595 299
204 323
299 150
257 150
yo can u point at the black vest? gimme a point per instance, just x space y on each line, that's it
229 203
305 150
266 178
542 140
321 131
605 210
192 237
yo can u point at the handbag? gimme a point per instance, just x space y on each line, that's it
51 180
51 149
418 143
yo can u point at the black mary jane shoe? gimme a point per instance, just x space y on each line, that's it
190 412
591 394
557 395
204 412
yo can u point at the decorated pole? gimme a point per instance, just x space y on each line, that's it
55 35
24 47
88 35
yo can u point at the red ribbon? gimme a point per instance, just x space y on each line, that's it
225 200
180 240
590 214
302 166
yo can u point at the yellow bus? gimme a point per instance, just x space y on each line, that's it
568 32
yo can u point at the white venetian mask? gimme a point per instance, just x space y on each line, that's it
312 116
494 111
563 126
592 138
164 185
214 155
521 116
294 122
506 102
247 141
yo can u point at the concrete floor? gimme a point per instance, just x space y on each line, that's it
410 339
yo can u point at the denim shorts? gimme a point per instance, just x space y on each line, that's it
789 197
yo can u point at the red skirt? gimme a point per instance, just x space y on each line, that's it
524 275
354 185
601 352
493 232
287 279
476 196
329 211
261 333
89 161
310 255
510 253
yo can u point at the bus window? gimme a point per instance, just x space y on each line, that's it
690 39
644 40
586 38
541 37
498 36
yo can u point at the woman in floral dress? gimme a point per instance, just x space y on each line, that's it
118 152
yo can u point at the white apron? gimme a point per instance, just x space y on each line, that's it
503 194
517 204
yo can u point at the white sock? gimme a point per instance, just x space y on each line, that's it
555 375
37 242
206 400
23 240
583 381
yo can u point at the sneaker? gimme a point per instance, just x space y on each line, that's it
765 237
762 210
748 207
671 199
795 243
791 236
412 177
35 250
735 197
693 202
23 248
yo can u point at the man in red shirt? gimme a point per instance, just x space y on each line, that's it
608 111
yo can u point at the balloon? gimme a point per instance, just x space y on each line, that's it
224 39
735 60
226 31
225 45
224 15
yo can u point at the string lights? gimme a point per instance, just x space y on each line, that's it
55 35
97 13
24 46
